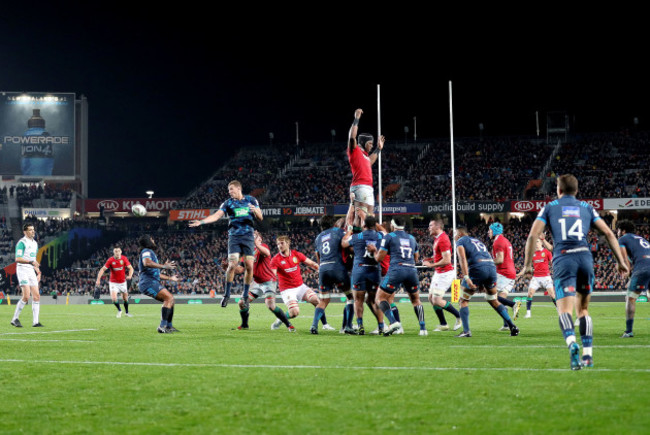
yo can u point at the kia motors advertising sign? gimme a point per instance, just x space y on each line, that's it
626 203
537 205
112 205
37 134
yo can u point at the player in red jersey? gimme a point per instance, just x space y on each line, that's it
443 276
506 273
264 283
362 195
541 272
117 281
286 266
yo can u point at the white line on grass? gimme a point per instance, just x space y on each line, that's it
46 332
293 367
41 341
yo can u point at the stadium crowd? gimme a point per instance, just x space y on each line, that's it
486 169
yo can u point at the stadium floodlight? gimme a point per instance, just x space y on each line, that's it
149 193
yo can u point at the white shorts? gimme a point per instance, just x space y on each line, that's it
538 282
117 287
441 282
26 276
504 284
294 294
363 193
268 289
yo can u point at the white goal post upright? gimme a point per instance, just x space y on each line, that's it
453 179
380 193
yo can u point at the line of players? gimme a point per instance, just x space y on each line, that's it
372 285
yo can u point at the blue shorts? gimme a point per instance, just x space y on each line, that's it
241 244
150 288
365 278
483 277
573 272
406 277
333 278
640 281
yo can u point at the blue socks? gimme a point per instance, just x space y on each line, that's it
318 314
464 316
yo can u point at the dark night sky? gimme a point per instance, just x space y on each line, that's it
171 92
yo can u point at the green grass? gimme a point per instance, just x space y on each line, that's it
88 372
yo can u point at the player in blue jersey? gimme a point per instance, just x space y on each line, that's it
573 264
241 210
403 250
332 273
479 273
636 252
366 272
149 282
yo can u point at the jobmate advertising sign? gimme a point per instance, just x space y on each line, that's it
37 134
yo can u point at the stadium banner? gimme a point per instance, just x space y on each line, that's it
112 205
537 205
191 214
37 134
389 209
626 203
285 211
46 213
316 210
466 207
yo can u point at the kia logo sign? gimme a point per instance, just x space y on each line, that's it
524 206
108 204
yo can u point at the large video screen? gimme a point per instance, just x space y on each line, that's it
37 132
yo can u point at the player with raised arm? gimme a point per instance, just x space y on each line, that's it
28 273
241 211
573 264
403 250
636 252
479 273
506 272
366 272
286 266
117 280
443 276
541 273
362 197
149 282
332 273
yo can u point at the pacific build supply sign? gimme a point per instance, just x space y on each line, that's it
626 203
37 134
112 205
466 207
